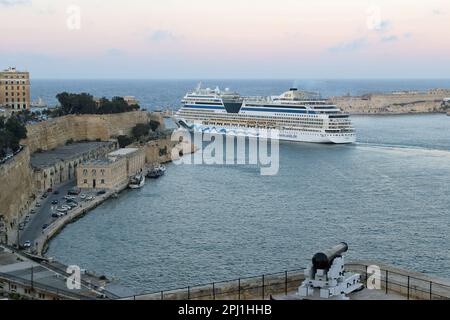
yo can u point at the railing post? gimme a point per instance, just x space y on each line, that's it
162 295
214 291
387 281
189 293
408 287
285 282
431 290
239 289
263 287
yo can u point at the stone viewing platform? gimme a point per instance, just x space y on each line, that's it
27 276
396 284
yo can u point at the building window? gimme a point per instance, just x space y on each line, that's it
85 172
85 181
103 181
94 172
103 172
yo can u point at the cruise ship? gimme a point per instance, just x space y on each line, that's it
295 116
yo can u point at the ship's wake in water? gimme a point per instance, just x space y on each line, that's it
406 150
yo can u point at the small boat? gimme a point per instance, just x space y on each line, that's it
40 103
137 181
156 172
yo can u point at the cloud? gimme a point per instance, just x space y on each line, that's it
115 52
407 35
349 46
163 35
389 38
437 12
12 3
383 26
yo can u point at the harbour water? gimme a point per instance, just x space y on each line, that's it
156 94
388 196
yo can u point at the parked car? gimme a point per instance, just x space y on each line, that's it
55 202
90 198
38 204
50 190
45 226
83 196
55 215
45 195
27 244
32 211
21 226
74 191
101 192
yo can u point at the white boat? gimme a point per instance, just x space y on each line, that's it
40 103
294 116
137 181
156 172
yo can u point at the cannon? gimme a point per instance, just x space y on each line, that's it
323 260
326 278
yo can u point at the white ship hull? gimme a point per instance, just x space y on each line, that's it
292 116
282 135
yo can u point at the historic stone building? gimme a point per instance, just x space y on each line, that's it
103 174
113 171
14 90
59 165
135 158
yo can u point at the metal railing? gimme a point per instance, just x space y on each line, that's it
405 284
259 287
283 283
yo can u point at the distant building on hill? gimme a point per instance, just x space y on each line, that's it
14 90
130 100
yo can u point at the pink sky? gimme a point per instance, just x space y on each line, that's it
226 39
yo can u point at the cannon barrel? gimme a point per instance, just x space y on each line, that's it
323 260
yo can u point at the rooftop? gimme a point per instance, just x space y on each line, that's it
48 158
100 162
123 152
12 70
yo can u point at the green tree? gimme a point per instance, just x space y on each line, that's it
16 128
154 125
72 103
2 122
124 141
140 130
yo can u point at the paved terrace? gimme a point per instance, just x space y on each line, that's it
16 268
49 158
